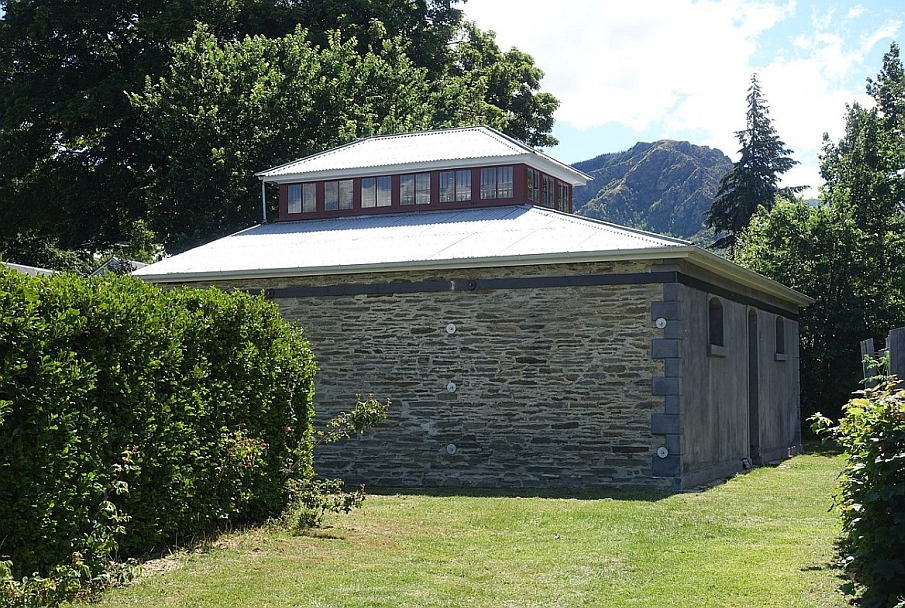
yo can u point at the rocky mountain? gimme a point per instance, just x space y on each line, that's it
664 187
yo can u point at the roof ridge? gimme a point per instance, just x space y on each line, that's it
646 234
467 143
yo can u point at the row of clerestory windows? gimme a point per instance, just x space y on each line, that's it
454 186
548 192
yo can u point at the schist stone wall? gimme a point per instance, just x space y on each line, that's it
561 375
498 377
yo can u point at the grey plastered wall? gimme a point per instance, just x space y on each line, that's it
552 385
779 399
705 423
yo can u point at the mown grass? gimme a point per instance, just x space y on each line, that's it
761 539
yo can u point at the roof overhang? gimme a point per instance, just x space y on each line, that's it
721 266
540 162
694 255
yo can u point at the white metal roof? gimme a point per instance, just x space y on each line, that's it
421 151
378 241
30 270
465 238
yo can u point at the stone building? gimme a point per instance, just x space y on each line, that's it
521 345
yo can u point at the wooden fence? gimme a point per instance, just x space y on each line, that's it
895 346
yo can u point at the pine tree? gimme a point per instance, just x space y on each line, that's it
754 179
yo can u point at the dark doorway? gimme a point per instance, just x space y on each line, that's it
753 406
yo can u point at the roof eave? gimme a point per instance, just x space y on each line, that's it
447 264
693 254
536 160
719 265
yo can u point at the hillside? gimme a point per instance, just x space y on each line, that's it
665 187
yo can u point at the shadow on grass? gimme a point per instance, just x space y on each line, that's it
325 533
814 447
819 447
554 493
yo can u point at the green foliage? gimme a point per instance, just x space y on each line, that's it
310 498
428 25
509 84
180 396
366 414
870 496
821 252
90 568
33 250
848 252
115 113
754 180
69 137
313 498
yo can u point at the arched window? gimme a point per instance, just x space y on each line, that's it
715 322
780 336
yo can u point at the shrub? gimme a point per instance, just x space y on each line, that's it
310 498
207 394
871 492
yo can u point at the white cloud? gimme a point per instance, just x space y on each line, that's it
855 12
680 68
615 61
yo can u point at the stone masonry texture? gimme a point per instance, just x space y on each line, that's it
552 386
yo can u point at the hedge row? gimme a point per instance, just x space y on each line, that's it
198 401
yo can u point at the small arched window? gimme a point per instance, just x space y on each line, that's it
780 339
715 322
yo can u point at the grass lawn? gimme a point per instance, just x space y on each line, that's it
762 539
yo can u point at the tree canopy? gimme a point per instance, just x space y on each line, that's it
754 179
847 252
228 109
87 154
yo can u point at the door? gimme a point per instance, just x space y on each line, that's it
753 393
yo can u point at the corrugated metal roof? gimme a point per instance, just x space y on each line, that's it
394 241
460 239
29 270
460 147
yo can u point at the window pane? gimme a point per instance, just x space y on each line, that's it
548 191
309 198
463 185
562 196
345 194
504 182
488 183
423 189
533 185
331 196
384 194
407 189
368 192
447 186
295 198
780 336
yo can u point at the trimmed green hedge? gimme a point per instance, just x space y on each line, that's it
198 400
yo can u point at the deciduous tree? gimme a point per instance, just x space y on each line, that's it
228 109
79 159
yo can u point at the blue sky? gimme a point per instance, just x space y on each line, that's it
680 69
